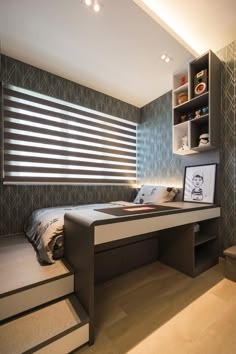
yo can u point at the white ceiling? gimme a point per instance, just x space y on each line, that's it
200 25
116 52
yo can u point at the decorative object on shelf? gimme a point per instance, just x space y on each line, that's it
182 97
183 118
198 113
183 80
199 183
204 140
205 110
184 145
200 83
191 115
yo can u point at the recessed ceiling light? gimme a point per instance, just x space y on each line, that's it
97 6
165 57
93 4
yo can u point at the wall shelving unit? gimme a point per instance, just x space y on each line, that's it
208 102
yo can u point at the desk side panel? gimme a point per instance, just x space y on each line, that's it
79 253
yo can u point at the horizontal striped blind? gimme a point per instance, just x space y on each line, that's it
47 140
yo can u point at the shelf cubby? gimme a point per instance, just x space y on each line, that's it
206 255
181 130
201 238
208 103
198 126
194 104
188 251
177 78
195 67
206 245
180 85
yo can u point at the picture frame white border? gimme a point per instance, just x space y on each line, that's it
211 191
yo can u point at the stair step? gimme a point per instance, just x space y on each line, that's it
19 266
59 328
24 283
27 298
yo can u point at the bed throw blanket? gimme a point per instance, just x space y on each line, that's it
45 229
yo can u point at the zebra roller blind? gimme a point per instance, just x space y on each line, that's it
47 140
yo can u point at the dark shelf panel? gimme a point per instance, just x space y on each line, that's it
204 262
206 252
196 130
201 238
194 103
200 63
201 120
202 148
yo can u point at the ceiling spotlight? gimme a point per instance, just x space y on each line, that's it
163 56
94 5
97 6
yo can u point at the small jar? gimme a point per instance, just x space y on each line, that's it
183 117
182 97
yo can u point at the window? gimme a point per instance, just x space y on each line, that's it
47 140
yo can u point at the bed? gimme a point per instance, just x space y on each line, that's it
45 227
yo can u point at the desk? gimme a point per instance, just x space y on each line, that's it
180 247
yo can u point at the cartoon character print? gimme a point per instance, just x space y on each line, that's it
198 180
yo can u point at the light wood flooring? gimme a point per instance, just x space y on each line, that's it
157 310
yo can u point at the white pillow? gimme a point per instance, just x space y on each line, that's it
155 194
149 194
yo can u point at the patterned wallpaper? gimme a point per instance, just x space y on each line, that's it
157 164
26 76
228 146
17 202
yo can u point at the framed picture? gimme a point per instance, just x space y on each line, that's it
199 183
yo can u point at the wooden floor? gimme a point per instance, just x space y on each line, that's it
157 310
